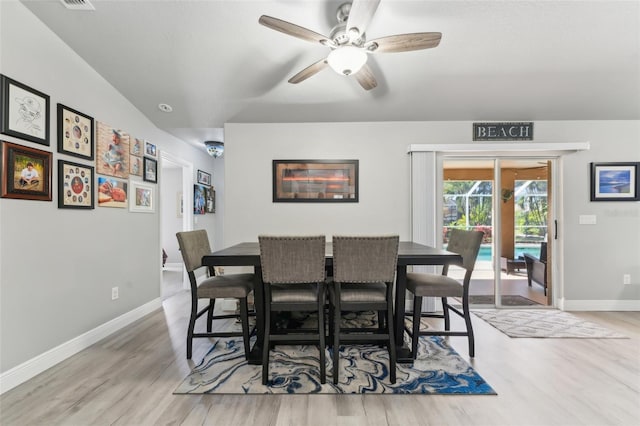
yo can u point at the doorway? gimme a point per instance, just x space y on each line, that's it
509 200
176 187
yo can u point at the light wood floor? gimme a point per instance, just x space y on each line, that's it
128 379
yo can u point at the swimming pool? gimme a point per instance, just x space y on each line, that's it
485 252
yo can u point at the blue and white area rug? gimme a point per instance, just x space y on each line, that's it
363 369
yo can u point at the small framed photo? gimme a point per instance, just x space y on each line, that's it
75 186
141 197
112 151
75 133
210 199
25 111
26 172
135 165
204 178
150 172
136 146
112 192
150 150
615 181
199 199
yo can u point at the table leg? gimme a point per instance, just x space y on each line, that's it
403 352
255 356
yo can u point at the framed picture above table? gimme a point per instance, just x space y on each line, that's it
315 181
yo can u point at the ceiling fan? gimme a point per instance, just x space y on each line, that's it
348 42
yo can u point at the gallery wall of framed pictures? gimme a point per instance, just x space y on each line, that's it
108 163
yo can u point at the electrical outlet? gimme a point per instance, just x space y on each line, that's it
114 293
626 279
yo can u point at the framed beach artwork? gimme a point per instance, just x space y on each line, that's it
25 111
141 197
150 170
112 192
112 151
26 172
315 181
75 186
615 181
75 133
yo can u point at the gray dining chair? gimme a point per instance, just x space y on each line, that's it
293 273
466 244
364 270
193 245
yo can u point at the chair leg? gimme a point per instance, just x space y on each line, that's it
244 319
336 339
212 305
192 323
392 343
467 321
445 314
266 343
321 345
417 307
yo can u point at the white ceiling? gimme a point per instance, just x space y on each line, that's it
497 61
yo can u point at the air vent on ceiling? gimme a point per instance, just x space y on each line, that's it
78 4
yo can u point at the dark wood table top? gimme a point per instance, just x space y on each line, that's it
409 253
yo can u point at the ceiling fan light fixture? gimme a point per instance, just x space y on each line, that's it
347 60
214 148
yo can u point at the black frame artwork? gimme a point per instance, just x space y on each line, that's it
25 111
615 181
315 181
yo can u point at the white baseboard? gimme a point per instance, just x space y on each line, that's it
599 305
31 368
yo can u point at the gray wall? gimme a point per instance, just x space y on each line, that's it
57 266
595 257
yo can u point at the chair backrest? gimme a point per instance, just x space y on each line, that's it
193 245
467 245
543 252
365 259
292 259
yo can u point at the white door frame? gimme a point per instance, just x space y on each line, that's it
167 158
426 187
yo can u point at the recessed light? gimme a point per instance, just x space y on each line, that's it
165 107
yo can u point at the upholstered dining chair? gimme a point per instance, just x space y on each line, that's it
293 273
193 245
466 244
364 270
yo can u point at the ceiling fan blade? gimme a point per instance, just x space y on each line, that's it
404 42
365 78
361 13
309 71
293 30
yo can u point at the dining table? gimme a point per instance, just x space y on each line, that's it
247 254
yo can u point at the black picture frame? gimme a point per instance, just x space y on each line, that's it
25 111
150 170
315 181
615 181
204 178
76 133
14 159
76 185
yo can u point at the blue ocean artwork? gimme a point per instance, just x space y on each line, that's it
614 181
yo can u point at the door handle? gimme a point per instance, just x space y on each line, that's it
555 231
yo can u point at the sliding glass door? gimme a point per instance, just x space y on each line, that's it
507 199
